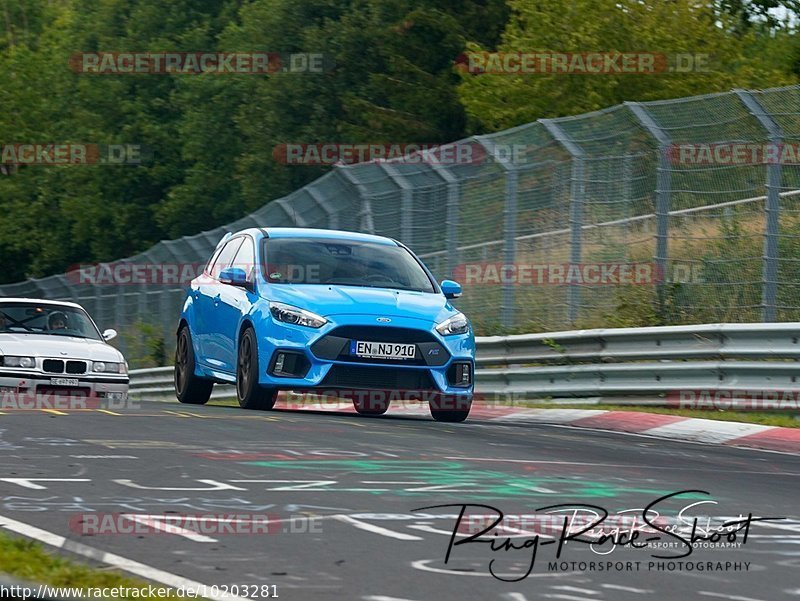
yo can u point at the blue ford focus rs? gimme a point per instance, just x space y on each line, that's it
327 312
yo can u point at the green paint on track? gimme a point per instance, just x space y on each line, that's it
453 477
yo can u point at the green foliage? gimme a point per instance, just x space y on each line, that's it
213 137
737 59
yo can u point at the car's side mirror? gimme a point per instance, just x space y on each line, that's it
235 276
109 335
451 289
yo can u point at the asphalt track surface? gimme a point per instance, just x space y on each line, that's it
345 488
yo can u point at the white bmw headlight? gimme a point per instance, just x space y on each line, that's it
295 315
457 324
12 361
108 368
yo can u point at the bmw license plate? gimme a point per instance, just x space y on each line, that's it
382 350
64 382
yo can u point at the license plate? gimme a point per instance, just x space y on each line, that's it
64 382
382 350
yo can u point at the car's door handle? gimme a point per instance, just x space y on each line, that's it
216 300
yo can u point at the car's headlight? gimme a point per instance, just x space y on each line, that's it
300 317
108 368
457 324
12 361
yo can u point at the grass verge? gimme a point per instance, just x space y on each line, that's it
30 562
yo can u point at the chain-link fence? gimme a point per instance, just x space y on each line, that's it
658 213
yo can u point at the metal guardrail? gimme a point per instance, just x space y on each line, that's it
648 362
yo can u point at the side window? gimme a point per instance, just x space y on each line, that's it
246 258
225 256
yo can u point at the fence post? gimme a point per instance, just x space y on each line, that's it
663 195
453 199
577 198
772 208
507 305
366 222
406 202
324 204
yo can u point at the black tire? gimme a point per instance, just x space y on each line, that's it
188 387
450 410
249 393
370 407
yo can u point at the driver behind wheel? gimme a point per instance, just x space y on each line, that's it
57 321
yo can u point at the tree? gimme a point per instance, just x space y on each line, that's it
496 101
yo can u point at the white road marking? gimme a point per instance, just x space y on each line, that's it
703 430
574 589
384 598
725 596
159 523
630 589
29 482
544 462
422 564
560 596
117 561
213 484
375 529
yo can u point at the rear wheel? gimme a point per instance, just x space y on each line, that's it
249 393
189 388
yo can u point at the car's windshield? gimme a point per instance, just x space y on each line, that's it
342 262
56 320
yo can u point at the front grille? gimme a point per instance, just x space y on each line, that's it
53 366
76 367
357 377
335 346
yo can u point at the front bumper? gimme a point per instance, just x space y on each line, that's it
319 359
33 389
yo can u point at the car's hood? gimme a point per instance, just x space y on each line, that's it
355 300
46 345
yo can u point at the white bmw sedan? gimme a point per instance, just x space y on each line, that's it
54 349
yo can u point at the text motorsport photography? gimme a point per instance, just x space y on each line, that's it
670 540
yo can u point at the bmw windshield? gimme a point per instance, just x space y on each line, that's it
342 262
55 320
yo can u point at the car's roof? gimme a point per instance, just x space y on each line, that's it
40 301
304 232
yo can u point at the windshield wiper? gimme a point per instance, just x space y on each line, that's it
390 287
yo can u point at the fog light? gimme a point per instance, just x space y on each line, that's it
288 364
460 374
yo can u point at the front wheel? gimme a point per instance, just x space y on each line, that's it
248 392
188 387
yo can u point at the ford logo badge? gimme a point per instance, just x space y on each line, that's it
384 320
